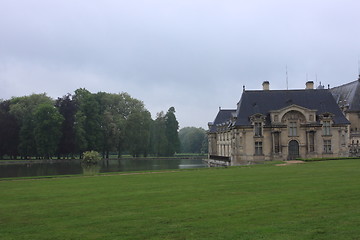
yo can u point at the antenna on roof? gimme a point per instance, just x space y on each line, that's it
359 66
287 78
315 79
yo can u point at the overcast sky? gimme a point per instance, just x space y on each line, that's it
194 55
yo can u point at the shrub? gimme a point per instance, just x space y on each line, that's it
91 158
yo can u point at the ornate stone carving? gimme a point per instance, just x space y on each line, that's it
293 116
258 117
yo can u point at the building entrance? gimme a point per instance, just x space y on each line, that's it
293 150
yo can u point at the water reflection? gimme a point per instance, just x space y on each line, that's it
65 167
90 169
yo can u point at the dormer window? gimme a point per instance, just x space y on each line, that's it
258 129
258 121
326 128
326 119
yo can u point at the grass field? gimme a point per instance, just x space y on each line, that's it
317 200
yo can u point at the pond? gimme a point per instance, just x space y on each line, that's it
65 167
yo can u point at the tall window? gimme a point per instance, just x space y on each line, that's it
258 130
292 129
326 128
343 141
311 141
276 142
327 146
258 148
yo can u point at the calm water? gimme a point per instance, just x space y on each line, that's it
74 167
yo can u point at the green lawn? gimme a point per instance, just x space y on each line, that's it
317 200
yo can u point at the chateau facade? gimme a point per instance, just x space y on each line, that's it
279 125
347 97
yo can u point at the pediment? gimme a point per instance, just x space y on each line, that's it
293 111
293 107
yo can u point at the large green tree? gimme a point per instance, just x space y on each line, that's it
164 134
171 129
138 132
9 131
124 124
158 135
47 130
112 121
87 121
23 108
67 108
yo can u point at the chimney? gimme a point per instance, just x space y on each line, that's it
309 85
266 85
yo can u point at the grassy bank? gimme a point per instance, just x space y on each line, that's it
317 200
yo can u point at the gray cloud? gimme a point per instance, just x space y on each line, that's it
193 55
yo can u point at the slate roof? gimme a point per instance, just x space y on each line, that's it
253 102
348 95
263 102
223 117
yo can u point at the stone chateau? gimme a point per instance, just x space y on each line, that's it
347 97
288 124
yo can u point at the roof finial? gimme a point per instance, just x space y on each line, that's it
287 78
320 86
243 88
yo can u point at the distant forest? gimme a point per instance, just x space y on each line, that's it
193 140
39 126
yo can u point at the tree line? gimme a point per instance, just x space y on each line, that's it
39 126
193 140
